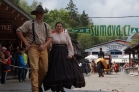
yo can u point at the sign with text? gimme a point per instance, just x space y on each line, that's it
107 30
80 30
5 27
134 30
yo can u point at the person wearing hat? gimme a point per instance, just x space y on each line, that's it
38 37
6 52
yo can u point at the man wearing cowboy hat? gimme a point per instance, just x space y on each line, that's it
38 36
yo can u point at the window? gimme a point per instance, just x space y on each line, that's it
94 53
115 52
118 53
112 53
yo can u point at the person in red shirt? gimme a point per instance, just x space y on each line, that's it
5 67
116 67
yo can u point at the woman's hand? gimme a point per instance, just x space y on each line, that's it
69 57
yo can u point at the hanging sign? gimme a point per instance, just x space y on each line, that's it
5 27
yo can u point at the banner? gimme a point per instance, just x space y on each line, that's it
107 30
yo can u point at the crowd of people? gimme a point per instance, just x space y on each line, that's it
16 60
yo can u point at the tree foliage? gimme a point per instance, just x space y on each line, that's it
24 5
86 40
16 2
73 11
57 15
74 20
84 19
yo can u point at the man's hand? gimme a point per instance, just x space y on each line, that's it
42 47
28 46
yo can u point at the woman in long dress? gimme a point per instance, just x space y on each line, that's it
63 69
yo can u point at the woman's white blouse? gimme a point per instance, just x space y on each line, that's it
63 38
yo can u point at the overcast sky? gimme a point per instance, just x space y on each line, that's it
102 8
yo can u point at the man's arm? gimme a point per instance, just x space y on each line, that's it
22 38
49 36
49 40
46 44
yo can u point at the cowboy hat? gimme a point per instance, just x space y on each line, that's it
38 9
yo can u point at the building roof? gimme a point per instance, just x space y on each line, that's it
132 47
117 40
135 36
13 14
10 12
127 49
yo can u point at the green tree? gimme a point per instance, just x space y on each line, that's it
71 8
86 40
74 35
84 19
73 13
34 4
57 15
17 1
24 5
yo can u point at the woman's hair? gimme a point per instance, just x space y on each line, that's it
58 23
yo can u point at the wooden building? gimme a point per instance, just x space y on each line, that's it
134 51
115 47
11 17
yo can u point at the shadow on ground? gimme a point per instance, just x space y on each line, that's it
15 90
89 91
51 91
83 91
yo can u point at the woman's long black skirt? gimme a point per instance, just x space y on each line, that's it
62 72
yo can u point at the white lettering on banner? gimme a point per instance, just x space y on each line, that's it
81 30
117 47
87 30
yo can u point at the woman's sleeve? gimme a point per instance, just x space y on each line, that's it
69 45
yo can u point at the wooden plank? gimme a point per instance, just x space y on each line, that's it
0 3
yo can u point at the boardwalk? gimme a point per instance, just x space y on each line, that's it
109 83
